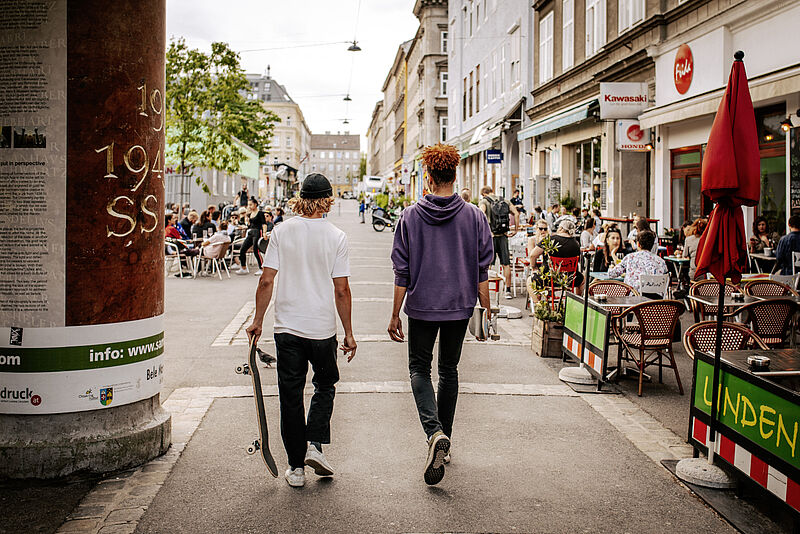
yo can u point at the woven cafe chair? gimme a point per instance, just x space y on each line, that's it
647 345
771 320
702 337
707 288
768 288
612 288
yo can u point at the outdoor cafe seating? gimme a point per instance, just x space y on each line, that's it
771 320
646 343
735 336
710 290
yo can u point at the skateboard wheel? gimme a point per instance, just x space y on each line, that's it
251 450
256 445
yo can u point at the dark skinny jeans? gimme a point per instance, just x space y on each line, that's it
294 355
436 411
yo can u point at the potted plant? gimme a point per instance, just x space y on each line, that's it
547 300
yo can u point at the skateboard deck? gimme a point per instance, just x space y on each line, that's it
262 443
483 328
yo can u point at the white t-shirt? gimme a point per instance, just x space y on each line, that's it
308 254
215 243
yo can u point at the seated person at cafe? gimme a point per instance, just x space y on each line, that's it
787 245
641 225
611 253
203 227
213 245
587 235
169 229
643 261
541 230
189 221
566 247
693 233
762 237
173 243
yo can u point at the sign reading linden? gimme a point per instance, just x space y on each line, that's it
622 100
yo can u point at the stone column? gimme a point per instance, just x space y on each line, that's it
81 334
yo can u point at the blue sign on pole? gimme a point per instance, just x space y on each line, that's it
494 156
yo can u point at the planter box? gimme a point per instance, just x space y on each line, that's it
547 338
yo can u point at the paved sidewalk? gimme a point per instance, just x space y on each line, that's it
530 454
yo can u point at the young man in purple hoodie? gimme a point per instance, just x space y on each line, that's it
441 255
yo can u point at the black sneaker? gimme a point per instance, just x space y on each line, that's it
438 448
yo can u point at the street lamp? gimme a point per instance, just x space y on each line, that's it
347 98
786 125
354 47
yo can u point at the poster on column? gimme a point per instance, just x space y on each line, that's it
51 362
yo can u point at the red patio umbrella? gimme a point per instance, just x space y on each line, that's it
731 178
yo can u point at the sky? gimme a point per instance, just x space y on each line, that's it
316 77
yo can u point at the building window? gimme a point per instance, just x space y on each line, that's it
477 88
464 102
339 167
321 154
503 56
442 129
688 202
347 155
330 167
443 42
464 22
443 84
595 26
471 91
288 141
515 55
339 155
568 34
630 12
276 141
471 13
288 121
330 154
313 155
495 78
546 48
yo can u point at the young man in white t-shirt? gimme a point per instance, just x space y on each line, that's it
312 256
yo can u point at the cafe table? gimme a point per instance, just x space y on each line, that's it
599 275
679 262
730 302
769 260
617 306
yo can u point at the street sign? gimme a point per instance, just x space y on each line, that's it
494 156
622 100
631 137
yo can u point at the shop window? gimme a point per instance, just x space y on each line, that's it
688 203
592 187
772 148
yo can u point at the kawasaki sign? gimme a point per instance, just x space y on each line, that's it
58 370
622 100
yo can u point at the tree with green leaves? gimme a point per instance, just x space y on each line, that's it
206 111
362 168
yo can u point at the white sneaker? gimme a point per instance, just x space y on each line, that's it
508 295
236 268
296 477
438 448
317 461
258 272
242 271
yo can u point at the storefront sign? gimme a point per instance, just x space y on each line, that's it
631 137
622 100
494 156
684 69
595 354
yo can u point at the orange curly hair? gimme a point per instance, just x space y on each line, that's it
441 161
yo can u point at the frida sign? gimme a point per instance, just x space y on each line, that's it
684 69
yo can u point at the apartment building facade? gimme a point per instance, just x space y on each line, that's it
338 157
286 164
692 63
488 58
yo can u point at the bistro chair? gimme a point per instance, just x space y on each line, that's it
568 266
790 280
646 345
708 288
172 253
217 261
519 266
612 288
702 337
795 262
771 320
657 284
768 288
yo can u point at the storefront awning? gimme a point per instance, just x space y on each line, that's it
762 88
572 115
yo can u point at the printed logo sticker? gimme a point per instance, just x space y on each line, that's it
16 336
106 396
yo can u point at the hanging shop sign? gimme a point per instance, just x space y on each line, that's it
631 137
494 156
622 100
684 69
81 324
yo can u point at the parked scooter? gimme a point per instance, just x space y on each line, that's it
382 219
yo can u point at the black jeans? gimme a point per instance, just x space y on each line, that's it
294 355
251 240
436 412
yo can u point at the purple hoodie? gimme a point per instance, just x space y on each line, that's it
442 250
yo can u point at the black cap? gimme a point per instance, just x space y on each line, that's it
316 186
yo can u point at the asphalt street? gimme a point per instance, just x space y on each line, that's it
521 462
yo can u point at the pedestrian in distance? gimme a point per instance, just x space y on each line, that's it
312 256
256 227
242 197
441 255
362 208
466 194
498 211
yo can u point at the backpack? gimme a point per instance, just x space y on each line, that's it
498 220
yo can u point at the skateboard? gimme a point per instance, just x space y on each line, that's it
262 442
482 328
